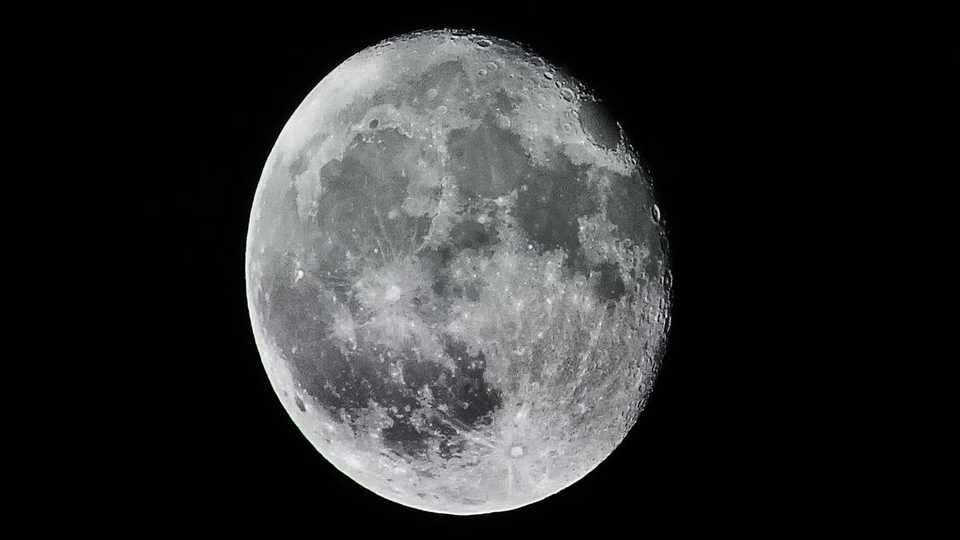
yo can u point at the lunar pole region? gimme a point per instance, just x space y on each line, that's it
457 274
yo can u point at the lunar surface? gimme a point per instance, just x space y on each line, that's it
457 274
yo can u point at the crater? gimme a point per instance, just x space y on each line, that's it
598 125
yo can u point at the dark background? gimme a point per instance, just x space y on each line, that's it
709 99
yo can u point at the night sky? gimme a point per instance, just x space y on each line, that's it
702 96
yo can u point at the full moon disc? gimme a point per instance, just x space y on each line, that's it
457 274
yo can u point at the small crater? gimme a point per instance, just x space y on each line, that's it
299 403
374 123
484 43
516 451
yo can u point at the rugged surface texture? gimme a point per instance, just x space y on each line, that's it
456 274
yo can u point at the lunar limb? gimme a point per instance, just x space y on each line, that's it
457 275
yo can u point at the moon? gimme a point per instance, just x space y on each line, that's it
457 274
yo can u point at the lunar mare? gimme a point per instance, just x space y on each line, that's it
456 274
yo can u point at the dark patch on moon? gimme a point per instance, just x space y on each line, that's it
549 206
631 217
471 235
446 78
436 260
477 400
359 192
299 165
610 284
403 437
464 397
487 161
299 403
337 383
280 300
466 400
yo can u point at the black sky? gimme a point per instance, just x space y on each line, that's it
704 96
